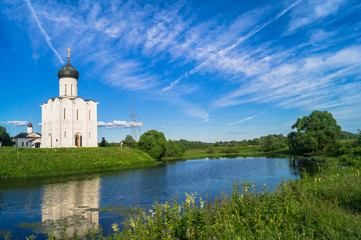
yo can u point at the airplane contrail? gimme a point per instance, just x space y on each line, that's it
46 36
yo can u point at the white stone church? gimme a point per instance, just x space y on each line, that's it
68 120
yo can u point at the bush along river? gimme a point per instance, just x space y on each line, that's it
65 205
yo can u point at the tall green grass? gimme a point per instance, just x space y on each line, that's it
221 151
25 162
323 207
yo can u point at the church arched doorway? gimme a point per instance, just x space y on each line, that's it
50 140
78 140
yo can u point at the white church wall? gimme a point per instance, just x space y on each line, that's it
68 87
68 118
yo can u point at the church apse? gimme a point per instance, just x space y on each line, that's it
66 207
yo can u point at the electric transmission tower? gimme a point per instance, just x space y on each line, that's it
135 125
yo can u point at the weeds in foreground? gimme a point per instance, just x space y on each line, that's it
324 207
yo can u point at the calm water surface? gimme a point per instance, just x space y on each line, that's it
40 206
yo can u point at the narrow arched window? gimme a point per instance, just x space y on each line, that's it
64 113
71 90
89 114
89 134
77 114
65 134
65 89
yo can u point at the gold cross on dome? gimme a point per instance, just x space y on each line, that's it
69 52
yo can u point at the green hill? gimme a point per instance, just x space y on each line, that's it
30 162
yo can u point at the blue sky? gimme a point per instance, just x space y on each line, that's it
197 70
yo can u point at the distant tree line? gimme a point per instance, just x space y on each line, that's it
318 132
5 138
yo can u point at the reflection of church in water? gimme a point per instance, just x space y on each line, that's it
68 120
65 206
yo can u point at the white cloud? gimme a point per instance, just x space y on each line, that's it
236 133
218 58
324 81
15 123
312 11
245 119
119 124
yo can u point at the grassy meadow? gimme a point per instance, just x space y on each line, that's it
30 162
242 151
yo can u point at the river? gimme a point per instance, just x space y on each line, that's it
42 206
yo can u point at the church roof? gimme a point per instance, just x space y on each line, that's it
25 135
70 98
68 71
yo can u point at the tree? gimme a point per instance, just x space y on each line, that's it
315 132
274 142
173 150
153 143
5 137
129 141
359 137
348 135
103 143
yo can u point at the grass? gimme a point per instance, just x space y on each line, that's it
220 152
26 162
326 206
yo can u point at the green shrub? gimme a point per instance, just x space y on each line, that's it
229 150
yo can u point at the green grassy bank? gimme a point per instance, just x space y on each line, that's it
326 206
244 151
24 162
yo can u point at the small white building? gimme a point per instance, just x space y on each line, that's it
29 139
68 120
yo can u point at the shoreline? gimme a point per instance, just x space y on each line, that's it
21 163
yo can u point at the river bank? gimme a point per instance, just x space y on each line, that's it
326 206
246 151
29 162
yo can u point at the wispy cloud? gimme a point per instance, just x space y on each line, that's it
313 11
236 133
219 54
119 124
42 30
308 82
276 54
15 123
245 119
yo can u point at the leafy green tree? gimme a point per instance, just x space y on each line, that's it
129 141
348 135
173 150
315 132
103 143
153 143
359 137
5 137
274 142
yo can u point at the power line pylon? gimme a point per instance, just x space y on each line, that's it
133 122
